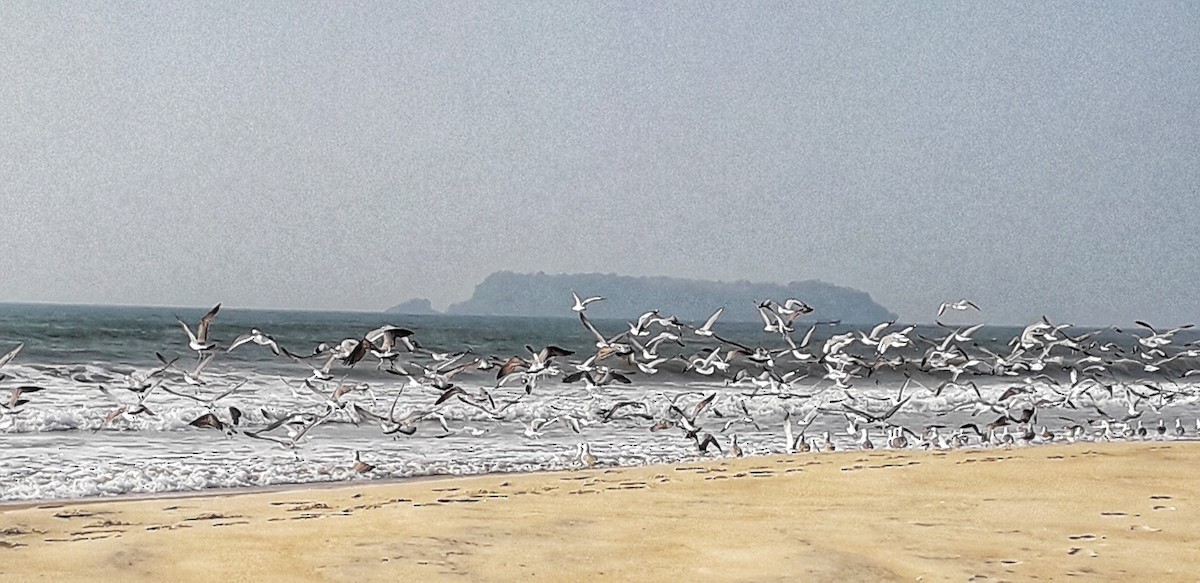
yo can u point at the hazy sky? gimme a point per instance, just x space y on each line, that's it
1034 157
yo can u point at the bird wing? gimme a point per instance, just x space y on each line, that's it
205 322
182 324
588 324
11 355
244 338
708 324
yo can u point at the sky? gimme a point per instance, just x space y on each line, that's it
1033 157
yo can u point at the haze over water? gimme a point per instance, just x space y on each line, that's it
1036 158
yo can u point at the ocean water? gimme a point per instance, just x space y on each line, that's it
57 445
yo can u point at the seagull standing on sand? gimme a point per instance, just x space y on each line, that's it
585 455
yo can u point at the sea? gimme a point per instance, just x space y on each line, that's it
58 445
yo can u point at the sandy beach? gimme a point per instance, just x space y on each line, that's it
1086 511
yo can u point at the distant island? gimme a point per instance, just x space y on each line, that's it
416 306
506 293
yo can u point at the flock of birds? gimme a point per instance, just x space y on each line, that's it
1048 385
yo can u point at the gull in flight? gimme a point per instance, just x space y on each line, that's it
960 305
706 329
258 337
581 304
199 341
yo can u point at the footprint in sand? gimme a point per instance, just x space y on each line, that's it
18 531
214 516
304 506
76 514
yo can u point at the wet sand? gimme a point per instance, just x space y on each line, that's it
1080 512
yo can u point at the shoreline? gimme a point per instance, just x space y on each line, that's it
1101 511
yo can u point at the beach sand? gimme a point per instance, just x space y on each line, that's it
1080 512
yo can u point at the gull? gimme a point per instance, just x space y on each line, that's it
643 321
390 424
360 466
442 376
585 455
295 424
601 341
650 367
959 335
332 401
258 337
385 341
702 444
772 322
837 342
744 418
793 308
581 304
734 449
15 400
664 336
467 429
897 339
322 373
864 441
1032 334
708 365
534 429
211 421
794 349
706 329
137 382
795 443
826 443
124 408
360 350
957 370
650 350
199 341
611 411
872 339
961 306
193 377
697 409
1158 339
607 377
207 402
539 362
877 418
